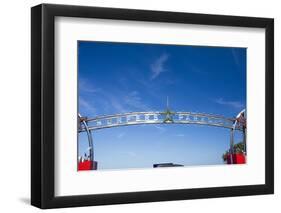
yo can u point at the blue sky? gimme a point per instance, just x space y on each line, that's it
125 77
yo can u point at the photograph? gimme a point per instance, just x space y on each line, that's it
148 106
132 105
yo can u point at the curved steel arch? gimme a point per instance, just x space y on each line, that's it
82 122
155 117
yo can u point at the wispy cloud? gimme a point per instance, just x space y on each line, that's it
85 86
160 128
85 105
130 153
89 103
158 66
116 103
121 135
234 104
111 100
133 100
179 135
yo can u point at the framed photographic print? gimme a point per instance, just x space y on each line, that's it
139 106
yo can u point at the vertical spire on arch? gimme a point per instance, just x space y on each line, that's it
167 102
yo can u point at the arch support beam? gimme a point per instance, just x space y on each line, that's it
168 117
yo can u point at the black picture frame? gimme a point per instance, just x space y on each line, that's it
43 102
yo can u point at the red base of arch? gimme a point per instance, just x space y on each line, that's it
87 165
238 158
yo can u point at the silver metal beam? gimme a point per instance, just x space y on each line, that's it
156 117
89 135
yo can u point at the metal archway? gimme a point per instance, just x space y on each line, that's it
166 117
82 123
